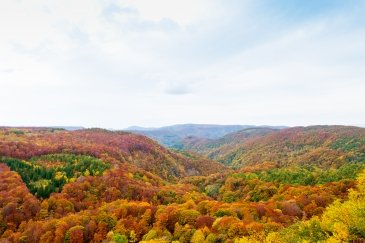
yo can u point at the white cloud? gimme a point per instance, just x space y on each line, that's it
141 62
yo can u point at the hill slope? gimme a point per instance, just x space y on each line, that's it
114 147
173 136
321 145
212 147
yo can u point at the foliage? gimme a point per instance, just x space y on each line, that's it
323 146
114 147
42 177
341 221
300 186
308 175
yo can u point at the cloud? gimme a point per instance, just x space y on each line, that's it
117 63
112 9
177 87
7 70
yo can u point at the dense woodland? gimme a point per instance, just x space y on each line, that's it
304 184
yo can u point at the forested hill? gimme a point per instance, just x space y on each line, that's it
209 147
303 184
173 136
325 146
113 147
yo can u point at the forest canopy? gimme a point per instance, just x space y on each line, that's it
94 185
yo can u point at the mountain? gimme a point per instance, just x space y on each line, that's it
322 145
138 128
173 136
211 147
68 128
115 147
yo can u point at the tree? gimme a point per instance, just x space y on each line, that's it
118 238
198 237
75 234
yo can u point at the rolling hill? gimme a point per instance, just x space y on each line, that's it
174 136
114 147
210 147
320 145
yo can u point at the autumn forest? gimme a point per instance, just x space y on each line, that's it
300 184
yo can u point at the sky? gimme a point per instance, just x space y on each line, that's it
114 64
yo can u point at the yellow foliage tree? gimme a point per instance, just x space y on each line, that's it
198 237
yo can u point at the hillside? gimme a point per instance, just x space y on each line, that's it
325 146
174 136
113 147
94 185
211 147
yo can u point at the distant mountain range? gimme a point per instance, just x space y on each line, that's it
175 135
69 128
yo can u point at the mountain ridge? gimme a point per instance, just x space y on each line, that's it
305 143
173 136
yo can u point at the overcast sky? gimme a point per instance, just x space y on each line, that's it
113 64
